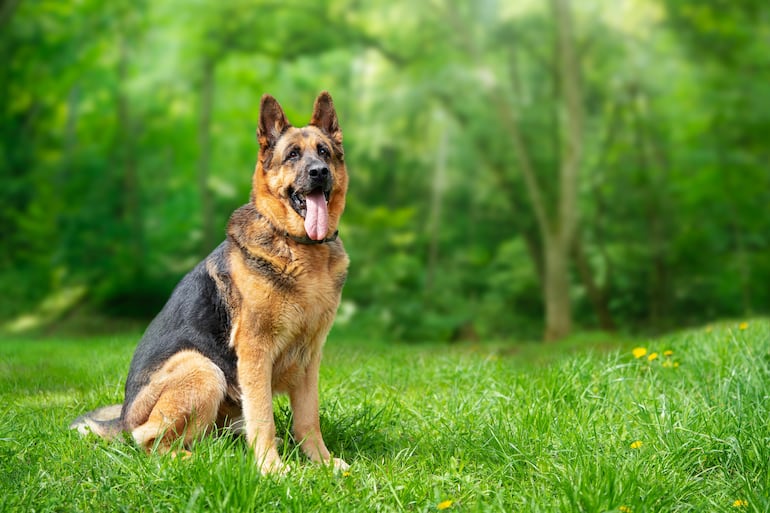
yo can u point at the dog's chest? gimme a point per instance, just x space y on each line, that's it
315 293
302 318
291 296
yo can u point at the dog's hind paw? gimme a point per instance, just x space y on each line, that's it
184 454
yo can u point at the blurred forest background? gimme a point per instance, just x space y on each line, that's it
518 168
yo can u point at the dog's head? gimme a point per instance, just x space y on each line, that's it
300 181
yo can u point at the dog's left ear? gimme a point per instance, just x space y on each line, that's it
325 117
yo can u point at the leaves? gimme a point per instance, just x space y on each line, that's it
674 189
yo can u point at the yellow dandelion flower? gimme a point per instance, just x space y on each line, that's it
346 473
652 356
676 364
624 509
636 445
444 505
668 353
742 326
740 503
668 363
639 352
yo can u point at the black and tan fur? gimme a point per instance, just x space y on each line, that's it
251 319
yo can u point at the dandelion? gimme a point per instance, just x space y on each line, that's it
444 505
624 509
742 326
668 353
636 445
652 356
639 352
668 364
346 473
740 503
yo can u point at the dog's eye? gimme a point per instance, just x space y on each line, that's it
293 154
323 151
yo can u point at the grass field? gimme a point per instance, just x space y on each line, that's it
683 427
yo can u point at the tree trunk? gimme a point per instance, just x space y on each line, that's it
558 238
130 204
7 9
204 145
557 228
658 290
437 194
596 293
558 311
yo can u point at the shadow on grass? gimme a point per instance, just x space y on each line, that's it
349 432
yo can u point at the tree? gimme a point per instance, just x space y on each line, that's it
557 225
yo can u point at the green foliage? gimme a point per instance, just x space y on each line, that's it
422 425
114 180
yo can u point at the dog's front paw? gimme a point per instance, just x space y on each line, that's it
271 464
339 465
274 468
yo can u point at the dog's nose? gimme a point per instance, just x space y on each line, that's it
319 172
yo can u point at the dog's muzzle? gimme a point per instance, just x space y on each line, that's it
310 198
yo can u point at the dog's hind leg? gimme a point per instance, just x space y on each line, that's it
181 401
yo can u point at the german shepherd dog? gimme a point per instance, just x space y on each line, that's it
251 319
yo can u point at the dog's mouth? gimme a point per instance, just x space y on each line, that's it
313 208
299 200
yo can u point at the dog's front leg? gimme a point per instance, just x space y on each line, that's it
307 426
255 374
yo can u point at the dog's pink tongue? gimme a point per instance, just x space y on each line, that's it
316 216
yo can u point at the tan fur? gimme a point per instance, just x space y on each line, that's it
182 399
279 318
270 189
279 334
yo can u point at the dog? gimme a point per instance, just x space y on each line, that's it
251 319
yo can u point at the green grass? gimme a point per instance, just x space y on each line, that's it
483 428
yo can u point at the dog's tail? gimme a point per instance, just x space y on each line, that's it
105 422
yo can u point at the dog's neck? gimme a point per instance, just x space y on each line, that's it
307 240
299 240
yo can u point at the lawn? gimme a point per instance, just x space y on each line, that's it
682 427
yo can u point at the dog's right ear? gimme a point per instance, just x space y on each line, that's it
272 122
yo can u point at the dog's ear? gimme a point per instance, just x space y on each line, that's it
325 117
272 122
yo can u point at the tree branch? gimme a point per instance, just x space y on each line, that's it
569 75
528 172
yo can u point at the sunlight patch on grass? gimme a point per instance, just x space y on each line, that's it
51 308
47 399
